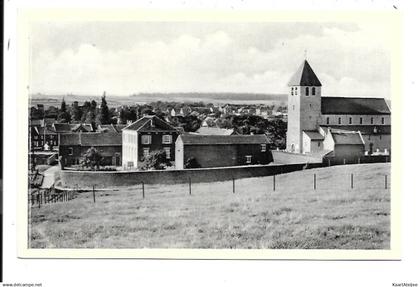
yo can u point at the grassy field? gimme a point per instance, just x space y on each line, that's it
293 216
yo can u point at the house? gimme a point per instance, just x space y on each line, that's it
344 144
214 131
177 112
145 135
72 128
112 128
72 147
42 138
222 150
208 122
311 118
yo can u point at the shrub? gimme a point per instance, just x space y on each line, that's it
92 159
156 160
192 163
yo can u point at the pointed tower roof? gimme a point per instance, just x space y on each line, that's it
305 76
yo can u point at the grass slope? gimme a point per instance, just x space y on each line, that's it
292 216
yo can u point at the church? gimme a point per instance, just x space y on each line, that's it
338 126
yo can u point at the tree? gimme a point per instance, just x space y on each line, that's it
104 116
63 114
76 112
92 159
156 160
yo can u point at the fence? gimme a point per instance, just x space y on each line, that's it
49 196
330 161
312 182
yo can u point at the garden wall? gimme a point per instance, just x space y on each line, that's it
107 179
283 157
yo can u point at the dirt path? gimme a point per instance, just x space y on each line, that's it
49 176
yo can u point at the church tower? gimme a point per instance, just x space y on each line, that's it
304 106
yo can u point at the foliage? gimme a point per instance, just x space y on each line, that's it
192 163
189 123
251 124
156 160
63 115
76 112
104 116
92 159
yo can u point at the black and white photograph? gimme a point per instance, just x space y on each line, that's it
210 143
209 135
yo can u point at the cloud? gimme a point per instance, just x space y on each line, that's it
348 61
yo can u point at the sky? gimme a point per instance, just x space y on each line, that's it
124 58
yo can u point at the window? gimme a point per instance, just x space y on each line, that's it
319 144
146 151
328 120
313 91
263 148
371 121
361 120
70 151
167 139
307 91
248 158
350 120
383 120
146 139
380 137
293 89
339 121
168 152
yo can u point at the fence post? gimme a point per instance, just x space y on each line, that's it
189 181
314 181
142 188
39 200
329 162
93 191
358 160
233 184
344 161
351 180
386 181
274 182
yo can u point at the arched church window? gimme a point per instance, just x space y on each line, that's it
339 121
293 89
307 91
313 91
328 120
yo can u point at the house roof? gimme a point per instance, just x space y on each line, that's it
364 130
214 131
194 139
305 76
145 124
66 128
314 135
111 128
354 106
45 130
342 137
90 139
